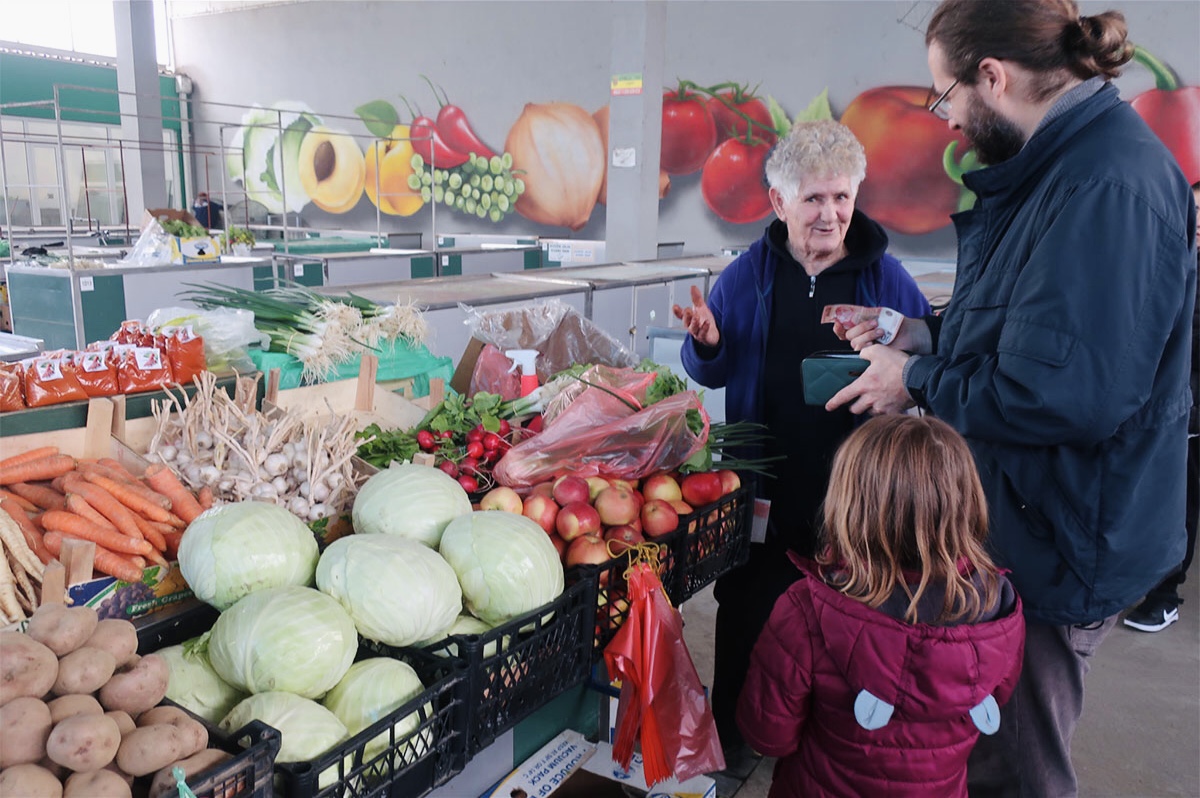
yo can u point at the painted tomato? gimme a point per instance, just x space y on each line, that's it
688 132
732 181
906 189
731 126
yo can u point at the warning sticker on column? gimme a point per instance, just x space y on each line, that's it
626 83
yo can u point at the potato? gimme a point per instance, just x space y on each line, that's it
24 727
29 780
150 748
67 705
58 770
62 629
97 784
194 733
116 636
84 670
124 722
26 667
164 785
138 686
84 742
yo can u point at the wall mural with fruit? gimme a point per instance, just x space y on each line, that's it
529 155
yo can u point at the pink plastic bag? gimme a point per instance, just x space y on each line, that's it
595 431
494 374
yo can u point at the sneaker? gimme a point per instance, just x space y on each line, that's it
1153 615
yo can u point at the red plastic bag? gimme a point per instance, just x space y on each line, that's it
185 351
598 429
142 368
494 374
11 395
662 701
97 372
50 381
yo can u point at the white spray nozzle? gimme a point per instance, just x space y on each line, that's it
524 358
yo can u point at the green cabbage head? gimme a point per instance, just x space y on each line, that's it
194 685
369 692
307 728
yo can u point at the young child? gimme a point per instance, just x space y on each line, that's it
879 669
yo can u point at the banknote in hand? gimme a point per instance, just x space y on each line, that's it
853 315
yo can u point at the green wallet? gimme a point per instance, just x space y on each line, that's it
826 373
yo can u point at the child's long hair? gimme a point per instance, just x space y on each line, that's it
904 495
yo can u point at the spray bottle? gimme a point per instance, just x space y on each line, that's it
525 359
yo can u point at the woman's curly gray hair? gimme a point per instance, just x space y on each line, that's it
823 148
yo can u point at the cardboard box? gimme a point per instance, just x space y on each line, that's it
634 782
198 249
542 773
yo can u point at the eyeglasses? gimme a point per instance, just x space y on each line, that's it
941 106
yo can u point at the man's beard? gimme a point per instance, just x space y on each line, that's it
994 137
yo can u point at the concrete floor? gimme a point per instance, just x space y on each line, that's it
1140 733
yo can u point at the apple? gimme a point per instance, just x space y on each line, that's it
730 481
577 518
587 550
616 506
701 489
595 485
661 486
659 518
543 489
623 537
541 509
502 498
560 546
681 507
628 484
569 489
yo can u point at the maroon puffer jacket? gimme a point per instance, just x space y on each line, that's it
825 660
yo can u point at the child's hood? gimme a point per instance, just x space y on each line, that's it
920 670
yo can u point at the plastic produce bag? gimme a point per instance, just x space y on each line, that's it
153 247
662 702
605 429
226 333
560 334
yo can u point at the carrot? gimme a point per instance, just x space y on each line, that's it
105 561
102 470
173 540
47 467
108 506
25 457
183 503
79 527
152 535
24 504
43 497
205 497
117 467
78 505
33 536
132 498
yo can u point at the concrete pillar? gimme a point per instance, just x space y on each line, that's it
639 34
141 111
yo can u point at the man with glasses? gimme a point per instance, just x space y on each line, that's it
1063 356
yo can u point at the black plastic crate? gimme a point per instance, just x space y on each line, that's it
715 540
250 774
517 667
413 761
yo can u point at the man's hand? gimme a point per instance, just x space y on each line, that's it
912 336
880 389
698 320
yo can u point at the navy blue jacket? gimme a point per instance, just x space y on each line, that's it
741 300
1063 358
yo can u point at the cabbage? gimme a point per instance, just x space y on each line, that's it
463 625
411 501
233 550
397 591
505 563
307 728
194 684
369 691
294 639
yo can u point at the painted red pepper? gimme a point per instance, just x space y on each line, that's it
1172 112
455 130
427 142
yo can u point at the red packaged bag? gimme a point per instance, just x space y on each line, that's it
185 352
129 333
12 397
50 381
142 368
96 371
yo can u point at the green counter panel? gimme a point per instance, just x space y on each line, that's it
452 266
321 246
43 308
422 267
103 307
264 278
533 259
578 708
311 274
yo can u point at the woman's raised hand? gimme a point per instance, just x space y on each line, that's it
698 320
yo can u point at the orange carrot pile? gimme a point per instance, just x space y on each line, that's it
131 520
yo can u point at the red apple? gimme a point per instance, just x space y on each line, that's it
681 507
730 481
571 489
659 518
616 506
628 484
502 498
661 486
595 485
560 546
587 549
541 509
701 489
543 489
623 537
576 519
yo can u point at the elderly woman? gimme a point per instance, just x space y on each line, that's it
762 318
